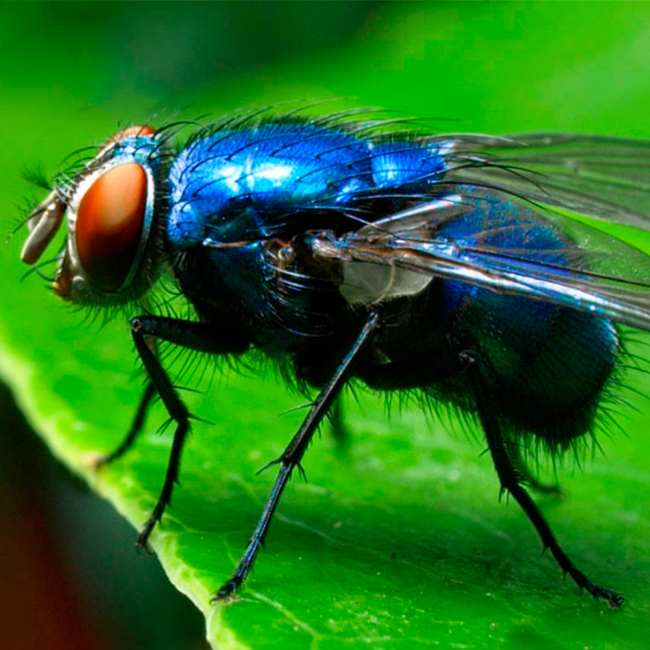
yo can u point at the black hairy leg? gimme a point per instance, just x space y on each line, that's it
203 337
527 477
295 450
504 455
134 431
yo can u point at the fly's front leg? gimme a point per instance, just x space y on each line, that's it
188 334
141 413
136 426
293 454
504 455
134 431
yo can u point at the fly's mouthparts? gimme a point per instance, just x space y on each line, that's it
43 224
62 284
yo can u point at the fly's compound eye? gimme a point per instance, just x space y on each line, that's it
110 218
109 225
111 208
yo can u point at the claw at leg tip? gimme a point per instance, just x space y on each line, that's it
94 460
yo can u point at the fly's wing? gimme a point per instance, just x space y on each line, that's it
606 178
595 273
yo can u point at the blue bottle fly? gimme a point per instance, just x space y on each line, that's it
443 264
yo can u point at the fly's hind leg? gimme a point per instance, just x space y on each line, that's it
504 456
528 478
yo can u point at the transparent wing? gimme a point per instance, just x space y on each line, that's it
606 178
593 272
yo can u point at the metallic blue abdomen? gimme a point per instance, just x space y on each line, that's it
546 365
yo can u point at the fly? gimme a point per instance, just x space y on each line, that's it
443 264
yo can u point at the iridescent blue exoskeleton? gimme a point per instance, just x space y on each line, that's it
445 264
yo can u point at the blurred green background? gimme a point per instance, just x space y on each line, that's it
70 74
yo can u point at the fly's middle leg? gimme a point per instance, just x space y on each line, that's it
292 455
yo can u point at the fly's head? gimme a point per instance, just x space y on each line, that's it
114 207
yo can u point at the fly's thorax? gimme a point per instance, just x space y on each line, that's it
113 207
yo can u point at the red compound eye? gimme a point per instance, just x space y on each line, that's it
109 225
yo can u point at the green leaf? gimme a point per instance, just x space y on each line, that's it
398 540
